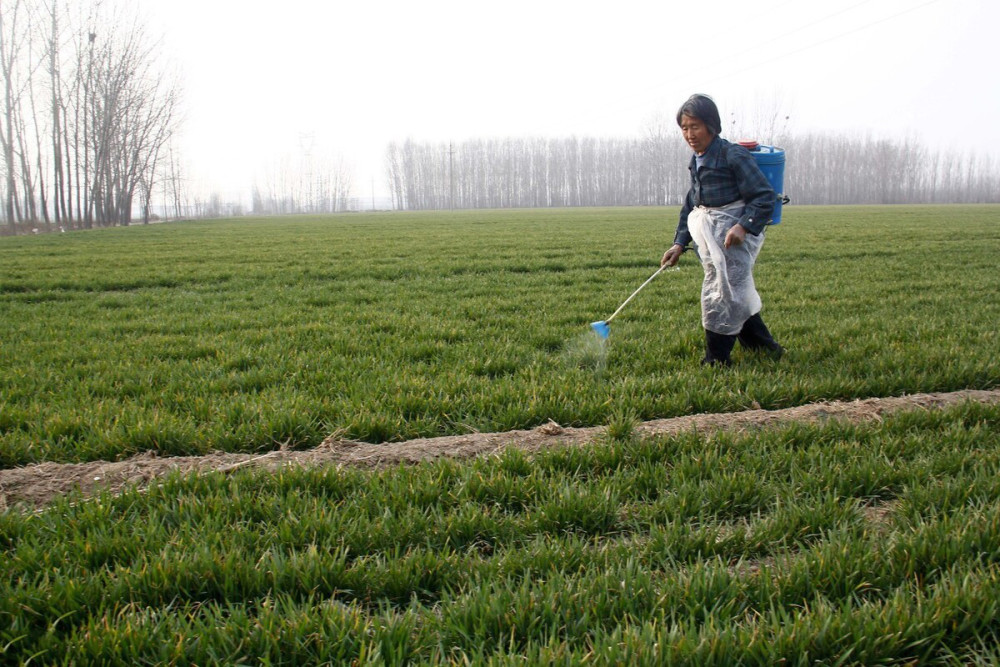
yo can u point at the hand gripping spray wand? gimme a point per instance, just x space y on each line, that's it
601 327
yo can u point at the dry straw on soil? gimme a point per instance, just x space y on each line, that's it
33 487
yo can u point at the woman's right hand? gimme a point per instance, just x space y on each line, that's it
671 256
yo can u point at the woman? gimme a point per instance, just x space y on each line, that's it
724 213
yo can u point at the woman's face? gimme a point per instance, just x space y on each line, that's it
696 134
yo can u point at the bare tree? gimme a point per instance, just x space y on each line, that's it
764 118
86 114
13 37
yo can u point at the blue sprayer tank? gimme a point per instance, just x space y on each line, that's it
771 161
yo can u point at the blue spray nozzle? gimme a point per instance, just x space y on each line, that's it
602 328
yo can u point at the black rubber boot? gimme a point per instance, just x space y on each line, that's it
755 336
717 348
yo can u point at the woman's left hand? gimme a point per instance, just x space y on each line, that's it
735 235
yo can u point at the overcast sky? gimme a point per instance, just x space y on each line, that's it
264 80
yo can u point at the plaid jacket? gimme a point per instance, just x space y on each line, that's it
728 173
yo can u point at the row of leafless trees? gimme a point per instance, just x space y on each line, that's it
502 173
87 117
311 186
830 169
652 170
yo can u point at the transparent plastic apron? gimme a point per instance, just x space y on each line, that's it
728 295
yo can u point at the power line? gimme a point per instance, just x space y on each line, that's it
791 32
727 59
828 40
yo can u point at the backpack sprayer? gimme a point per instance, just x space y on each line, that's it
771 161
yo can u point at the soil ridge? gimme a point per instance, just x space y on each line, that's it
35 486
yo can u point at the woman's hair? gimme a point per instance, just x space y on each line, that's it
703 108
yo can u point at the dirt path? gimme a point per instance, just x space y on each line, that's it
35 486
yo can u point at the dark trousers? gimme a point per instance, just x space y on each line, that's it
753 336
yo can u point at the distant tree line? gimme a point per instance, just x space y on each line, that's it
652 170
841 169
311 186
87 118
532 172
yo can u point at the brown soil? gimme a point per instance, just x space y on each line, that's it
34 486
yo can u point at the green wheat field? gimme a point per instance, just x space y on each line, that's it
874 543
